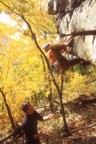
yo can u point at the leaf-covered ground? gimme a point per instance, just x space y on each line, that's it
78 115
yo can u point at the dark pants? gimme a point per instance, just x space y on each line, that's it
62 61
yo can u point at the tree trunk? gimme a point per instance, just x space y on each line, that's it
50 102
61 104
8 109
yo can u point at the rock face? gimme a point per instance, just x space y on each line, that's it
77 17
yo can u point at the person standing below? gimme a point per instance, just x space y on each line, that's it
29 123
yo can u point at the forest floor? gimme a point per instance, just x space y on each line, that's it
78 115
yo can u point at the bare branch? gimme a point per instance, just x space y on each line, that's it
8 109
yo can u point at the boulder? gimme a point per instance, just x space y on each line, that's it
77 17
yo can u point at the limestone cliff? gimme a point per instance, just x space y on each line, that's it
77 17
